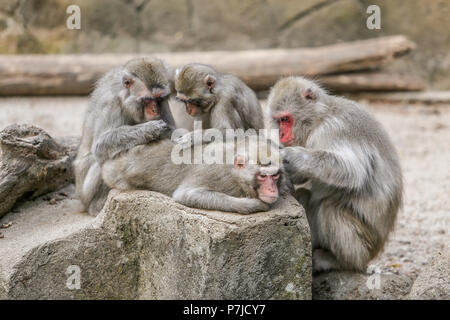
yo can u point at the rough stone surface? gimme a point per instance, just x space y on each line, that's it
433 282
360 286
145 246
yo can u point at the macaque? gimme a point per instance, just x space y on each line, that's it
219 100
351 164
250 183
127 108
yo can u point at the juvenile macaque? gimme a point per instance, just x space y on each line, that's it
251 183
355 175
127 108
219 100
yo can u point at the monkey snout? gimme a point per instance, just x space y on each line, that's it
151 109
191 110
268 191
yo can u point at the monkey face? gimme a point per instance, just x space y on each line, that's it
295 108
194 107
141 101
267 180
143 86
195 86
262 181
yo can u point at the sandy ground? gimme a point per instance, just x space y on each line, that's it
422 137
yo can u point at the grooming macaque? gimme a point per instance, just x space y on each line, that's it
219 100
250 184
127 108
355 175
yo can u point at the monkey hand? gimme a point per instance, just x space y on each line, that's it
185 140
296 162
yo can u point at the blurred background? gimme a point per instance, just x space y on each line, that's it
414 108
144 26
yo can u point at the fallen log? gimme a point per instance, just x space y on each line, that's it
32 163
260 69
376 81
426 97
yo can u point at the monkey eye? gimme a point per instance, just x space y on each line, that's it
276 176
127 82
284 119
261 177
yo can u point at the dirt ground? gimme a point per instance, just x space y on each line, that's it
421 134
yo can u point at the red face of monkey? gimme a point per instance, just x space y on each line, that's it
299 112
193 106
265 180
285 122
149 99
143 86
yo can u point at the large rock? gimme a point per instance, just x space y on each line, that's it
433 282
145 246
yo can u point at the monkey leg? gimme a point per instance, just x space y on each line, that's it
348 239
212 200
81 168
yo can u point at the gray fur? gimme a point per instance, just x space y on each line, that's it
206 186
115 122
356 180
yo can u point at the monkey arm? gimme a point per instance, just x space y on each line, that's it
213 200
341 170
117 140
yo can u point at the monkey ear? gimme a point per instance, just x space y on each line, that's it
309 95
240 161
127 81
210 81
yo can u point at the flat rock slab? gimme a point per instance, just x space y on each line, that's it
145 246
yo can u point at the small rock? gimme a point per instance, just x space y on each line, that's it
52 201
6 225
1 236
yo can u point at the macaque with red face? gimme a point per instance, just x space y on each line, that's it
355 175
244 186
128 107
